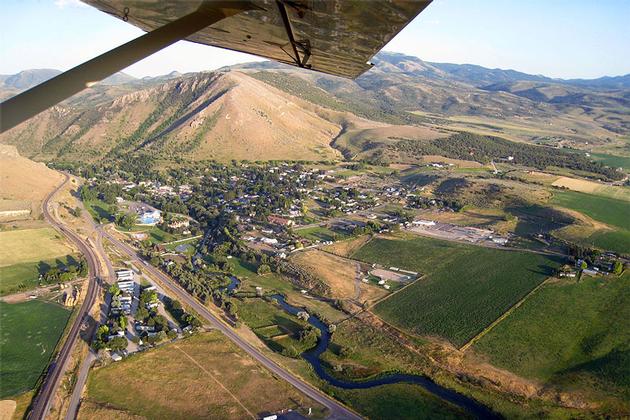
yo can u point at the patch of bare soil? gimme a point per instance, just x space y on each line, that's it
7 408
347 248
337 272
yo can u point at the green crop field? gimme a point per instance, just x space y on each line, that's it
25 276
466 288
612 161
617 241
604 209
29 245
29 334
570 333
319 233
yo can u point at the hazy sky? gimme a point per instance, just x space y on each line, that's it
557 38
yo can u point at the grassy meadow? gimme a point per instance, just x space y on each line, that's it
466 288
574 334
399 401
29 334
25 276
204 376
28 245
320 233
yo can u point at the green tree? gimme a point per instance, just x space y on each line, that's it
617 267
117 343
126 220
263 269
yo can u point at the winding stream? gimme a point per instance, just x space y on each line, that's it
312 357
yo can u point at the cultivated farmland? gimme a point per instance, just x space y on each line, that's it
204 376
466 288
29 334
569 333
604 209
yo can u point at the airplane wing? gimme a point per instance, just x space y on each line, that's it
337 37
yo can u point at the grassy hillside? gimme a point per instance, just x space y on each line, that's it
466 288
30 331
574 334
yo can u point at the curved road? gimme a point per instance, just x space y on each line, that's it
337 410
42 401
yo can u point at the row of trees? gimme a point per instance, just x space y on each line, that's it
469 146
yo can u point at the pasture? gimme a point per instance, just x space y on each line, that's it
591 187
204 376
30 331
320 233
612 160
604 209
568 333
617 241
25 276
466 288
263 317
28 245
399 401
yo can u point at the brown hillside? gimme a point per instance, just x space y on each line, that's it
23 183
218 116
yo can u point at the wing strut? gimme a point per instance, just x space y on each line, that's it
41 97
304 46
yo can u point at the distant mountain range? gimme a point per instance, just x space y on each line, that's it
266 110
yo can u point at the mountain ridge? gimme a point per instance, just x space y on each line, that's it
265 110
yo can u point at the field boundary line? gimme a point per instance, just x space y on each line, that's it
217 381
422 277
502 317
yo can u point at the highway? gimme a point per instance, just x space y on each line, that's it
46 393
337 410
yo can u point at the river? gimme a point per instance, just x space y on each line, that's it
312 356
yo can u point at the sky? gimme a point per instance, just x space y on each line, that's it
556 38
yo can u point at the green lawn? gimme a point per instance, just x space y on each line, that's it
100 210
604 209
467 287
320 233
156 235
29 334
25 276
576 334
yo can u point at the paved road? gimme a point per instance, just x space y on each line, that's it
46 393
337 410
